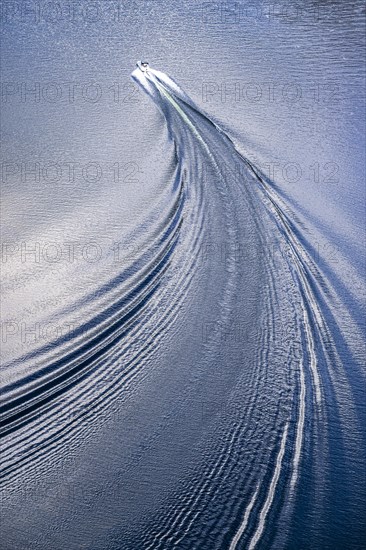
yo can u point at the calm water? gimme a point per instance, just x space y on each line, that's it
182 276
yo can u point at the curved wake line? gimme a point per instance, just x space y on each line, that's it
271 493
244 524
306 276
300 428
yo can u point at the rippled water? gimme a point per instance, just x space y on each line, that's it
182 277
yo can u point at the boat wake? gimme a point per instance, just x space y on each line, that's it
272 361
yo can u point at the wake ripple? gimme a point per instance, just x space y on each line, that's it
289 379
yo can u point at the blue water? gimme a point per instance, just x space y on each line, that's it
183 360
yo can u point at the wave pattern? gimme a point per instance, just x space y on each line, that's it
303 297
291 405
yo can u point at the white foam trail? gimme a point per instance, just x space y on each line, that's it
244 523
300 428
313 361
267 505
